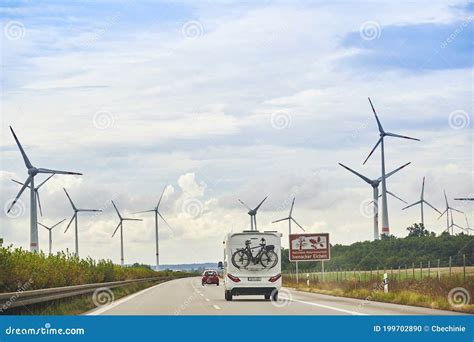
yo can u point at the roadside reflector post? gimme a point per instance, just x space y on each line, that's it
450 267
438 270
385 282
307 279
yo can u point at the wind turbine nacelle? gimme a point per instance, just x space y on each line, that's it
33 171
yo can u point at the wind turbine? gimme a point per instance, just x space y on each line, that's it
421 202
253 213
449 212
383 134
290 218
74 217
32 172
36 191
120 225
375 186
50 230
157 213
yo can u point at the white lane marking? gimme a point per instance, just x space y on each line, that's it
326 307
103 309
216 307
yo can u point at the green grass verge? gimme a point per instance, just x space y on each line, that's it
426 293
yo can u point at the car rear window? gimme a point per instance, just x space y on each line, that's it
211 273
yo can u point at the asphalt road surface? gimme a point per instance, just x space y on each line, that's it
188 297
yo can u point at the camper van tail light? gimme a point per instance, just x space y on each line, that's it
234 279
275 278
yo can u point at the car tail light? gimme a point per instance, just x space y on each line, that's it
234 279
275 278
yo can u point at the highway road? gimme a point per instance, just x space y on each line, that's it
188 297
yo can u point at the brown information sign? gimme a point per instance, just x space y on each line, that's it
309 247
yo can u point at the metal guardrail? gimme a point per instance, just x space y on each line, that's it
21 298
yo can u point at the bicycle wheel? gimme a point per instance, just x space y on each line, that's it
240 259
269 259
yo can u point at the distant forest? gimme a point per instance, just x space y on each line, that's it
392 252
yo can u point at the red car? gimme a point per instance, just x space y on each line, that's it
210 277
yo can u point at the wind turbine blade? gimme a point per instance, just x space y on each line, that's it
398 198
394 171
467 222
299 225
400 136
432 206
144 211
258 206
17 182
115 231
25 157
70 200
162 193
376 117
120 216
459 211
292 205
280 220
42 225
59 172
28 180
411 205
39 202
445 211
245 205
367 180
165 220
47 179
72 218
377 144
58 223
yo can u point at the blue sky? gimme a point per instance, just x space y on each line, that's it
232 100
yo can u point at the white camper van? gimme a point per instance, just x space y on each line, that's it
252 264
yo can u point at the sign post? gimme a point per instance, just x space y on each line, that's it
309 247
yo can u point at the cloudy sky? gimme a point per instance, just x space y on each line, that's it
226 101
